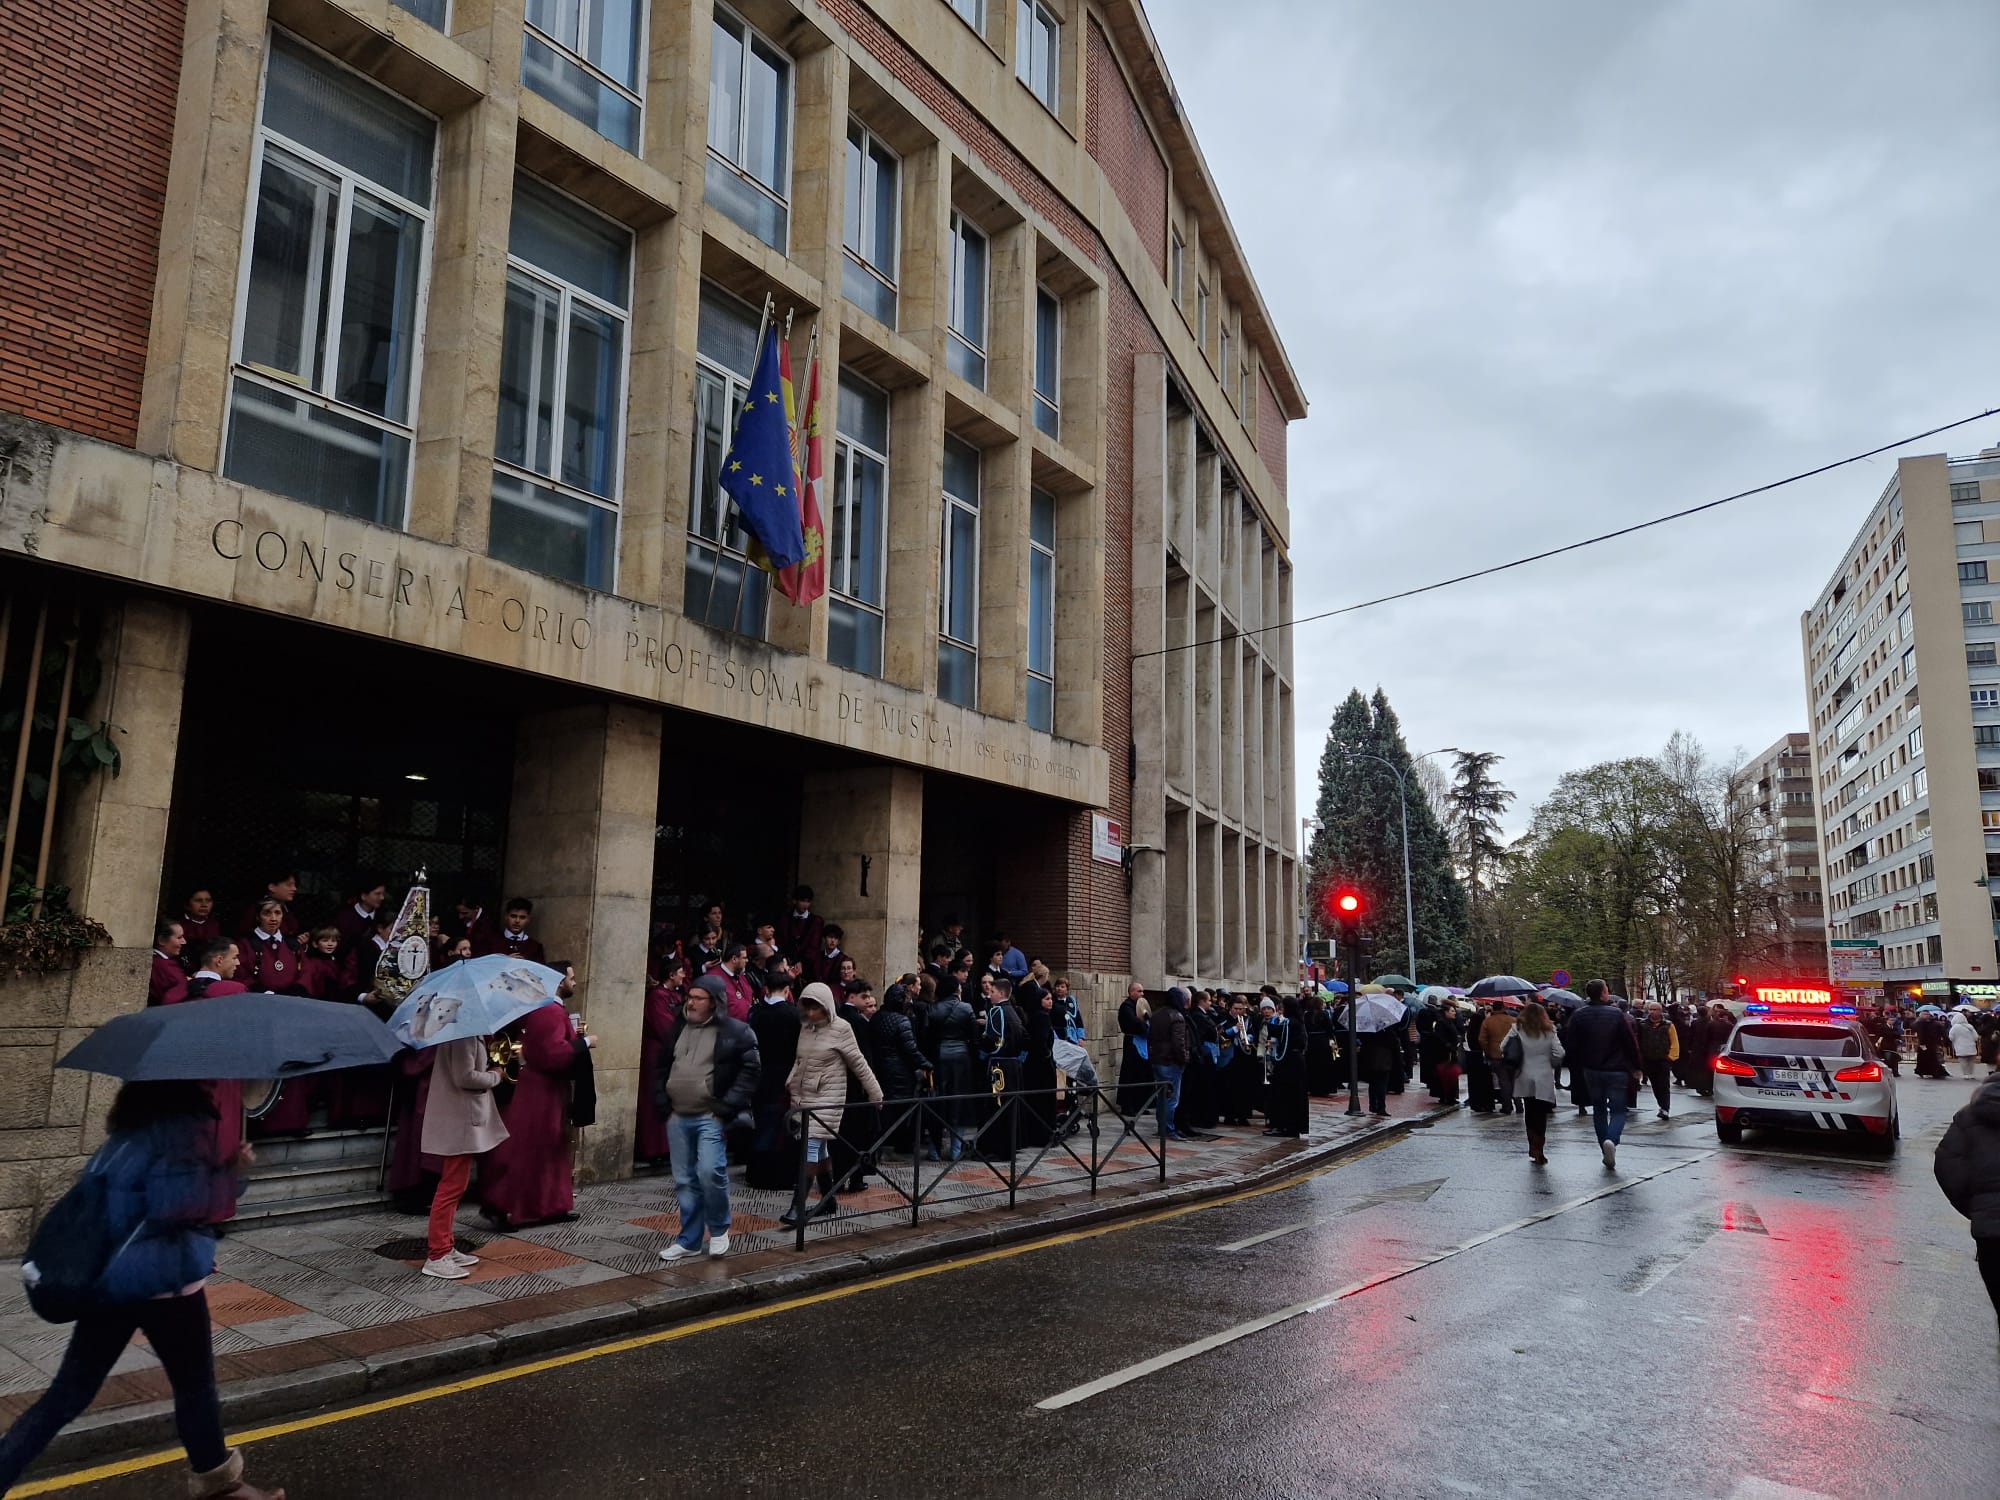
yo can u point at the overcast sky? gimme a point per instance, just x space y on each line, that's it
1548 267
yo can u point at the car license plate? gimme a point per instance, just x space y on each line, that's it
1794 1075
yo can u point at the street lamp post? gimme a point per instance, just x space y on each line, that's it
1403 798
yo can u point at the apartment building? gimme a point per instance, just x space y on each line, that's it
1904 688
1777 789
365 375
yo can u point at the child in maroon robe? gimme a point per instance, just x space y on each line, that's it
527 1178
356 920
169 941
799 935
269 962
512 939
741 994
215 976
826 962
322 973
199 924
663 1009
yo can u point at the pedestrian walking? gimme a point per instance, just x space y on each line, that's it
1536 1055
1659 1051
710 1079
1967 1167
1169 1047
1932 1038
1601 1047
774 1022
1964 1044
155 1186
1493 1044
461 1122
1441 1043
828 1056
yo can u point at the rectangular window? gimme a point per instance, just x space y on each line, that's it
583 56
1920 784
973 12
1048 362
723 589
1037 49
1976 612
330 301
1965 492
1223 368
1177 268
1990 819
855 559
749 128
1201 313
1910 662
1980 654
1986 697
1965 533
1972 572
1986 734
965 348
1934 949
868 235
432 12
1915 743
562 390
1041 611
958 577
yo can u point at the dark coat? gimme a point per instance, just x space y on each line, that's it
1599 1038
1169 1038
898 1061
1967 1164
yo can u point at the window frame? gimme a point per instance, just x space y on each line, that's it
962 225
262 138
1028 16
1051 401
634 94
735 387
1038 549
892 277
1973 570
949 504
977 23
1201 313
784 200
620 417
1177 266
443 23
845 449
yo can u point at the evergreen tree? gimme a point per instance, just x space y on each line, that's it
1477 803
1360 814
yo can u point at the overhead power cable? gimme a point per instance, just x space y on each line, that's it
1608 536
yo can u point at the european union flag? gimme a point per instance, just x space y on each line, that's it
758 473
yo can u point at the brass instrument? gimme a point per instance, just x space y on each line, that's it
504 1052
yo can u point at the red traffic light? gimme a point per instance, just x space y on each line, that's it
1345 905
1347 902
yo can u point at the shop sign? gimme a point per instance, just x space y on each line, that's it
1107 840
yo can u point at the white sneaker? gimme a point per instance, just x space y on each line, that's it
676 1251
460 1257
718 1245
1610 1150
445 1269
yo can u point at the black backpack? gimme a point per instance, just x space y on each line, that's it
73 1247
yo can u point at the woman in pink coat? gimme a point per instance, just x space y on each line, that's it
460 1124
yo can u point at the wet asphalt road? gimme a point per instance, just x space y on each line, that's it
1726 1324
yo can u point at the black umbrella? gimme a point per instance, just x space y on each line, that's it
235 1036
1499 986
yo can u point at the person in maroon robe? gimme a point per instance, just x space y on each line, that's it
742 994
323 974
663 1009
215 976
269 961
527 1179
169 940
199 924
356 919
282 887
512 939
799 934
825 961
473 922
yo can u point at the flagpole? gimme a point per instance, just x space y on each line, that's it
756 358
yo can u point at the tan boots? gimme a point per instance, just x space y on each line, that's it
226 1483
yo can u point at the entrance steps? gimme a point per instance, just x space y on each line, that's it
327 1170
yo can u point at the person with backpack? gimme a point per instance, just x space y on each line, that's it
129 1250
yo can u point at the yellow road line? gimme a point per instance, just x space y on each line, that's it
684 1330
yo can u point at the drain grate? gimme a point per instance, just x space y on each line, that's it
420 1249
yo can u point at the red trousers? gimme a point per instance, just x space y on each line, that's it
452 1183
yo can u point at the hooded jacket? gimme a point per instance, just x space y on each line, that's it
1968 1161
736 1066
828 1053
1170 1040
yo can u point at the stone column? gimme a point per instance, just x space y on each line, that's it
872 813
580 845
112 832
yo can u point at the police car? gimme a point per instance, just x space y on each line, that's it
1798 1061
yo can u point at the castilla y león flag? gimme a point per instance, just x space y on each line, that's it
806 581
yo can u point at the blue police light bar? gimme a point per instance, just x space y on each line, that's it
1840 1010
1757 1010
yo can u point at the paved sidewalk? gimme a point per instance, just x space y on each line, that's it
323 1310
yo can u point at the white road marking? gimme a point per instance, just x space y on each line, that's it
1415 1192
1231 1335
1750 1487
1664 1265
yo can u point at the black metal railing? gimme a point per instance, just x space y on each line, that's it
980 1133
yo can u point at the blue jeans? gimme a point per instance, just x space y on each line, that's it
701 1177
1607 1101
1168 1077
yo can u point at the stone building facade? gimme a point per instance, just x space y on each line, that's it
364 399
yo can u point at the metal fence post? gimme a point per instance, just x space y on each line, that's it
805 1147
1013 1147
917 1160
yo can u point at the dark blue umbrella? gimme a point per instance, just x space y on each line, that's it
1499 987
235 1036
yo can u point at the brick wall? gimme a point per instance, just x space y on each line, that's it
1115 134
1271 430
87 90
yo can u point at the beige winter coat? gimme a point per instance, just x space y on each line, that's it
460 1118
818 1080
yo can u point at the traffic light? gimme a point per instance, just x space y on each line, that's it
1347 908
